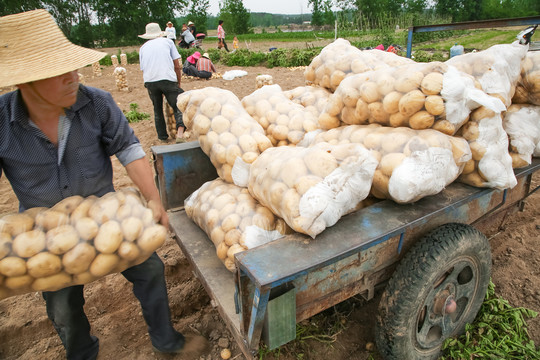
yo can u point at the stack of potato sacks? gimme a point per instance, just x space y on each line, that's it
75 242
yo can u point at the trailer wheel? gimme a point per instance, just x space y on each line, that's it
437 288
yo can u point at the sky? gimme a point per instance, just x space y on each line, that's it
269 6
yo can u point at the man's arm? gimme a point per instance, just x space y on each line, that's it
141 174
178 71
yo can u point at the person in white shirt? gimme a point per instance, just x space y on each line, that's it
161 65
171 32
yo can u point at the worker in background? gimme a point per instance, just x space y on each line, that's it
187 38
160 63
171 32
205 67
56 140
221 36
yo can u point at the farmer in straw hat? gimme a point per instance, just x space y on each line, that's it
205 67
56 140
161 65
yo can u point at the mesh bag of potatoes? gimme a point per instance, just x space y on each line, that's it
232 219
420 96
226 132
311 188
412 163
75 242
388 58
312 98
284 121
497 68
491 164
528 86
522 124
337 61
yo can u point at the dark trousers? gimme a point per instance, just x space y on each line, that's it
156 90
205 74
224 44
65 309
190 70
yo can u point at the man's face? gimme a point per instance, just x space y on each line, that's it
58 91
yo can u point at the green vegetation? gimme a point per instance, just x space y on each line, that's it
133 115
498 332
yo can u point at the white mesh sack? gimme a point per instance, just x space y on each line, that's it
522 124
227 133
312 98
528 86
412 163
311 188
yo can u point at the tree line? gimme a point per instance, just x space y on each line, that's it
106 23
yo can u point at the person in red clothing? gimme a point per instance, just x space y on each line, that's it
205 67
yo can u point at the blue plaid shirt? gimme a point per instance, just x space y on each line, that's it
42 174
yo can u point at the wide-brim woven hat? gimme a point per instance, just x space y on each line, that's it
190 23
205 55
23 61
153 31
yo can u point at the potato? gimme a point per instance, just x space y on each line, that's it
43 264
290 203
469 167
220 124
87 228
61 239
305 183
82 210
369 92
411 102
409 81
434 105
379 188
470 131
18 282
52 283
230 222
109 237
320 163
210 107
377 114
15 224
5 244
232 237
12 266
131 228
478 150
201 124
421 120
128 251
29 243
398 120
68 204
234 249
444 126
293 169
104 264
78 259
221 250
391 161
391 102
104 209
152 238
432 83
32 212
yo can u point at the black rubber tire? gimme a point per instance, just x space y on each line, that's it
409 324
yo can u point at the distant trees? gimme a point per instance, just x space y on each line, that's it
198 14
235 17
321 12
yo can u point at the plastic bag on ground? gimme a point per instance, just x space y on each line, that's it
412 163
311 188
528 86
496 68
231 74
232 219
284 121
522 124
226 132
75 242
420 96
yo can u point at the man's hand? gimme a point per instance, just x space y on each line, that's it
160 215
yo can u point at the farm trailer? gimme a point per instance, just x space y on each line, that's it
443 262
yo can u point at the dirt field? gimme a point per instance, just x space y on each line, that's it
115 315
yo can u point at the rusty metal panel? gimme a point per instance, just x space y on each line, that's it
181 169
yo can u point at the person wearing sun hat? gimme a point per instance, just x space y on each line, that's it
192 29
190 65
160 63
56 140
205 67
171 32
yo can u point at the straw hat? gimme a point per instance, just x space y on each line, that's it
205 55
23 61
190 23
153 31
